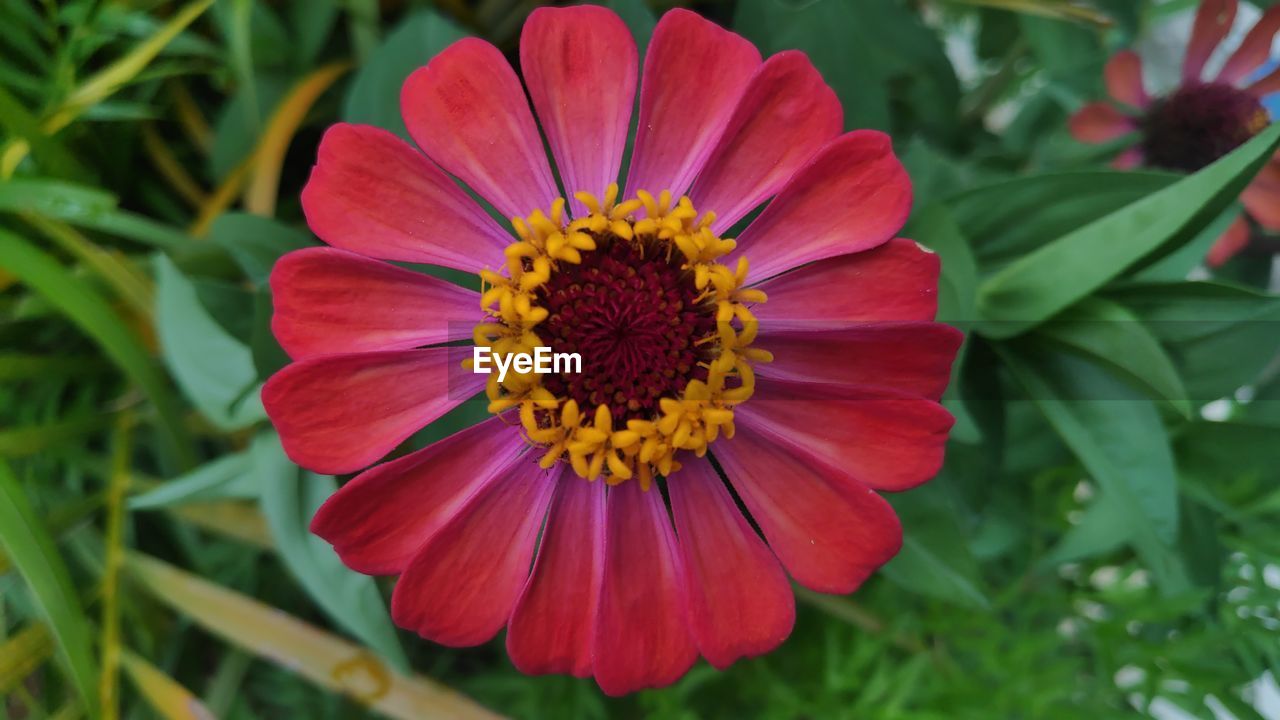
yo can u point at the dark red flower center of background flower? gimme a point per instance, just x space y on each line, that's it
635 318
1198 124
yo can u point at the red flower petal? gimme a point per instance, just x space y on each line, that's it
1262 197
331 301
550 628
1123 74
829 537
339 413
371 193
740 603
1100 122
896 281
1213 23
467 111
580 66
856 436
1230 243
1267 85
912 358
852 196
640 639
1255 51
459 589
378 520
785 116
694 74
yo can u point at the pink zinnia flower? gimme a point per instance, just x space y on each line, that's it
555 517
1199 121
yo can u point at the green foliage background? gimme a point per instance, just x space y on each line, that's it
1093 543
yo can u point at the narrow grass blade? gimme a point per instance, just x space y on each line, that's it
114 76
169 699
93 314
32 552
22 653
260 197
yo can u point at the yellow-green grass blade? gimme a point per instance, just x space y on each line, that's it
324 659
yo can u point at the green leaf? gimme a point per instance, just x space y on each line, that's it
33 553
268 356
935 559
1217 451
638 17
230 476
93 314
1221 337
1011 218
1111 335
829 33
935 228
289 500
374 95
1119 440
213 369
256 242
85 206
1104 527
1037 286
312 22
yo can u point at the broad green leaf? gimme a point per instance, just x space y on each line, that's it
1111 335
1010 218
312 22
1035 287
289 500
374 95
1179 312
268 356
240 121
1177 265
227 477
1221 337
864 50
213 369
935 559
276 637
638 17
94 316
935 228
32 552
256 242
1119 440
1104 527
1217 451
829 33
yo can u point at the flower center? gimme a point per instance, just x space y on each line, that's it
634 316
663 330
1199 124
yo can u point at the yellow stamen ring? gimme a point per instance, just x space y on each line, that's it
587 440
